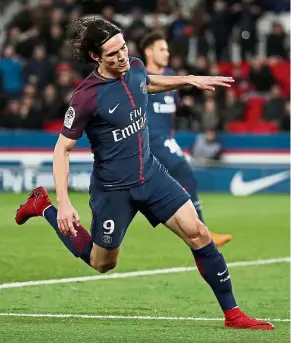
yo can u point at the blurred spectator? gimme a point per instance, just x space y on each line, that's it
178 27
220 92
276 42
261 76
55 40
13 37
11 118
52 106
245 15
194 46
46 9
206 147
234 108
176 62
274 106
40 67
200 68
64 81
137 28
11 73
28 41
194 42
285 120
66 5
58 17
24 18
242 84
221 29
30 90
108 13
188 114
210 119
164 6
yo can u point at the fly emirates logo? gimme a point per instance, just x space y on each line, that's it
137 123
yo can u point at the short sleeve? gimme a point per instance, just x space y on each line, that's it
139 64
145 72
82 107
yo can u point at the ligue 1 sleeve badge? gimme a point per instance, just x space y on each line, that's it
69 117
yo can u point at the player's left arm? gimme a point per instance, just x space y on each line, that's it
162 83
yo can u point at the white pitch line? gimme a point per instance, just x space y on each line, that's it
137 273
97 316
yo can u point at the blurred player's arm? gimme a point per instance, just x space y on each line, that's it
162 83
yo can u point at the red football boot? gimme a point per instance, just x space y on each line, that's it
236 319
34 206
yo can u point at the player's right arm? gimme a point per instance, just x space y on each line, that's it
66 212
82 108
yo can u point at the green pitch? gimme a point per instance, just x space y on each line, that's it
260 229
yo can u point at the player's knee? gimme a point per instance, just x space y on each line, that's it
198 235
103 267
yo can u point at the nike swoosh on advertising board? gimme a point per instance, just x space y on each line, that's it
240 187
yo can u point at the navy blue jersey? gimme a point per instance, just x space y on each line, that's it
161 112
112 112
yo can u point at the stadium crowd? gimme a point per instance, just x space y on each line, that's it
38 73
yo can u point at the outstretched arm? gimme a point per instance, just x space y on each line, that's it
162 83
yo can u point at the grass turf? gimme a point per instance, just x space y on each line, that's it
260 229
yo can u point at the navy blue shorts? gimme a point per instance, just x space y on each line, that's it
158 199
171 156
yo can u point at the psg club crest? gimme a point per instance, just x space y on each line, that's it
107 239
69 117
143 87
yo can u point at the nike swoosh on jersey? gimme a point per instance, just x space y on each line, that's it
240 187
113 109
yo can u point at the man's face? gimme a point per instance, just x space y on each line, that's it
114 57
159 53
9 51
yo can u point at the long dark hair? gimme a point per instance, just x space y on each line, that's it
89 34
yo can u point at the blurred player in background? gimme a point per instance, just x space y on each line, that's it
110 106
161 113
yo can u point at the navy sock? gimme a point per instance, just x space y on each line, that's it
81 245
213 269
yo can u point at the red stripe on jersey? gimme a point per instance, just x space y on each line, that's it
140 157
128 92
141 177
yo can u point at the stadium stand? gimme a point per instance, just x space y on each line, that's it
245 39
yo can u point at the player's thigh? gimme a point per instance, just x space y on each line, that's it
186 224
163 196
112 213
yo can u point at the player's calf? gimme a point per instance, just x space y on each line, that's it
209 260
